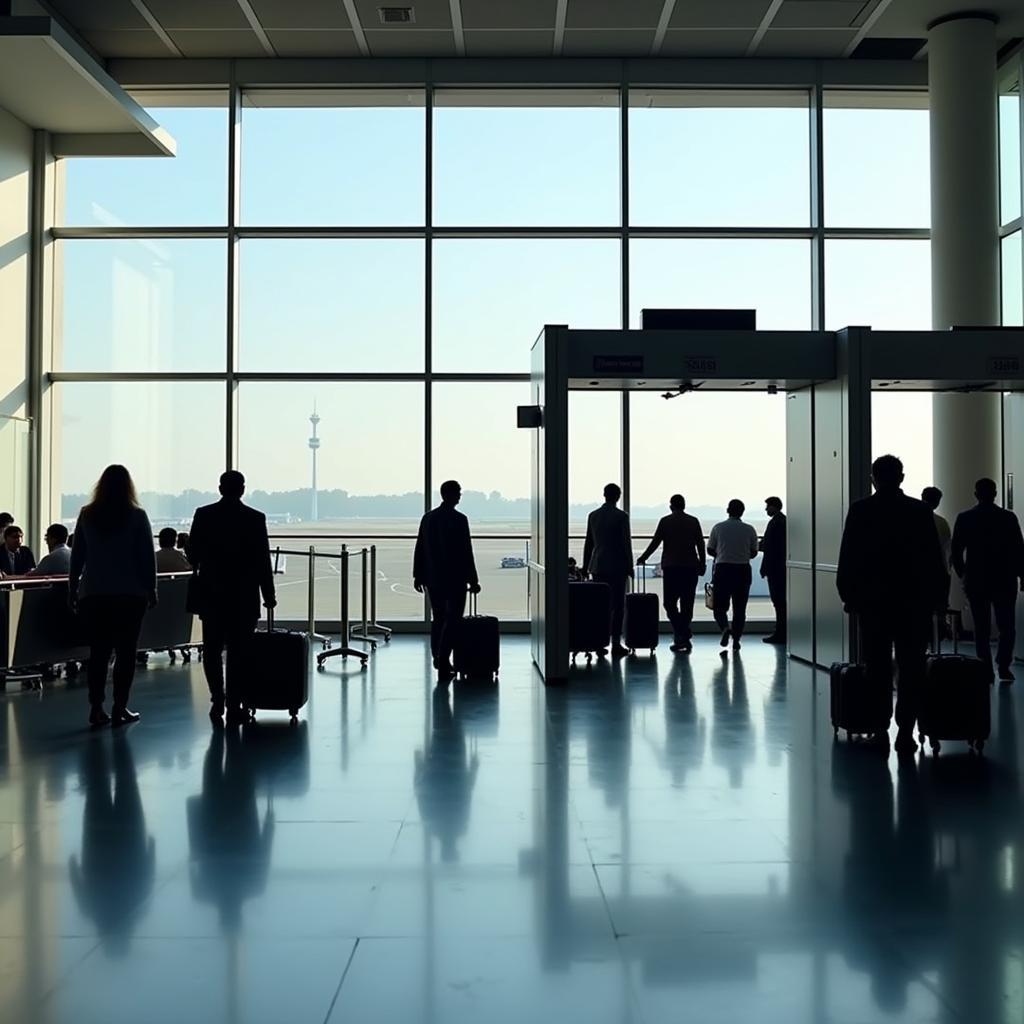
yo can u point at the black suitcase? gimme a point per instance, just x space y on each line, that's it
590 613
477 653
643 614
860 706
956 700
271 672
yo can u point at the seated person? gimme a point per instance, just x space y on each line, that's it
58 561
15 559
184 545
168 557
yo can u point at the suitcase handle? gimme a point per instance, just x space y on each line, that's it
472 603
642 571
955 619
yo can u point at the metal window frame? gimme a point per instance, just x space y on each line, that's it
811 77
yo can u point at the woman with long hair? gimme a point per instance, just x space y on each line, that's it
111 583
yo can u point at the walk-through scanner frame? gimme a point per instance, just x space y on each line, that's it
827 378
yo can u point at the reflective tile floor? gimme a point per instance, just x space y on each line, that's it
664 840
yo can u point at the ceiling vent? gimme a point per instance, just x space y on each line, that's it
397 15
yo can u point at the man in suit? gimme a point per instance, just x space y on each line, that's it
231 556
443 565
608 557
15 559
773 565
891 576
990 537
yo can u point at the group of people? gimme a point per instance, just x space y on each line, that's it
733 544
894 576
17 559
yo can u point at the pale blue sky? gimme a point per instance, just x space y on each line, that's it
357 305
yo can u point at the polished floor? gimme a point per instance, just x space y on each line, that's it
662 840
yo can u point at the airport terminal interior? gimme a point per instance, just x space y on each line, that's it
355 250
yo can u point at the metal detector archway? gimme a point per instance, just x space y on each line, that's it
800 363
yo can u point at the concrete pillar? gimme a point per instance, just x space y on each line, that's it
965 238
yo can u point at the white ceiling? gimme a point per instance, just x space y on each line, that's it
514 28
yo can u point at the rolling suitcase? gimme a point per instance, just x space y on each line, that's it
590 613
955 701
271 672
477 645
860 706
642 618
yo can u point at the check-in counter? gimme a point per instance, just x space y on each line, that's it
38 628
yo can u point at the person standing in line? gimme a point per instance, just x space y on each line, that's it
111 581
443 565
990 537
608 557
773 566
733 545
231 569
891 576
683 560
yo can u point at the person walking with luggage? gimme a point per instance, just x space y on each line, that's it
230 554
733 545
111 582
683 560
992 571
444 566
608 557
773 566
891 576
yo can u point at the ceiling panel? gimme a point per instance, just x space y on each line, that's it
523 14
127 44
107 15
611 14
410 43
197 14
217 43
609 42
818 14
313 43
911 17
531 43
301 14
720 42
791 42
718 13
428 13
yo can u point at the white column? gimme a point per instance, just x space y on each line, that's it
965 238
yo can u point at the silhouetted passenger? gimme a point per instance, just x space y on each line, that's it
231 562
733 545
575 575
773 566
932 497
443 564
58 561
683 560
16 559
183 544
990 537
112 579
168 557
891 576
608 557
115 875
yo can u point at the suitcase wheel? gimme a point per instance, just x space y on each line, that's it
936 747
294 712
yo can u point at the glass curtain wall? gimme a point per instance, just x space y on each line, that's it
370 268
1010 185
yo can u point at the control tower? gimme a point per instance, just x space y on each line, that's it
314 445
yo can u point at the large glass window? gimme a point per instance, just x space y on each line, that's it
876 160
525 157
492 297
1012 281
1009 155
337 157
331 305
719 158
170 435
880 283
772 276
149 304
190 188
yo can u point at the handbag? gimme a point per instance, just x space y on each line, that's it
709 596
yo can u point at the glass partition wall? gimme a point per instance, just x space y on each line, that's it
336 291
